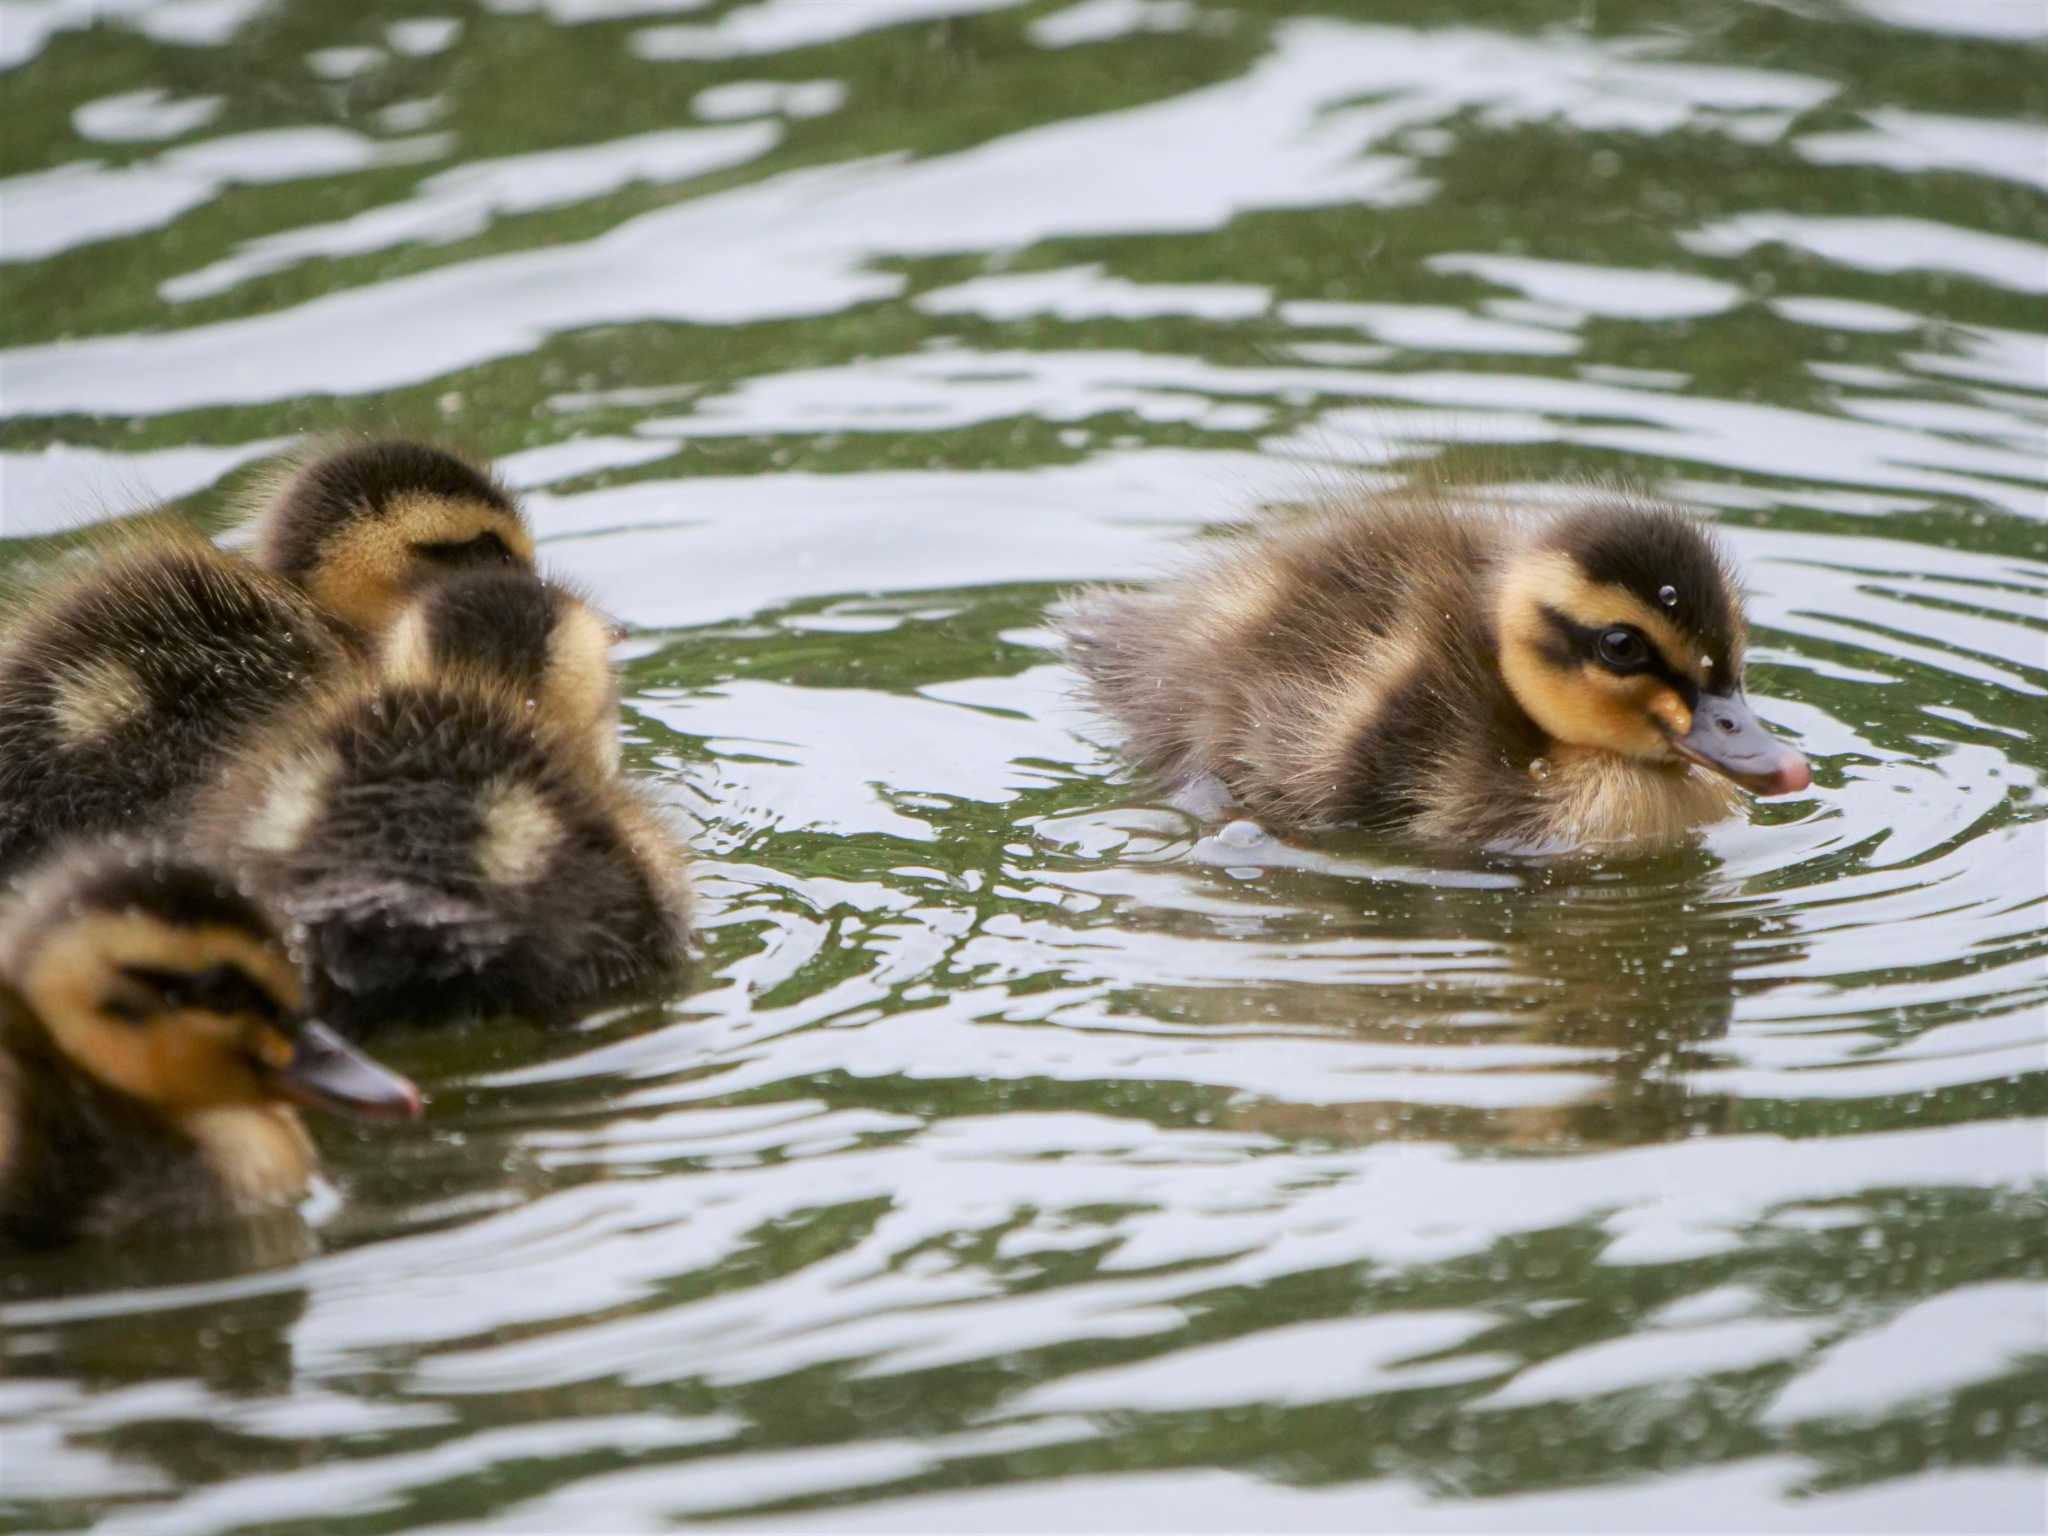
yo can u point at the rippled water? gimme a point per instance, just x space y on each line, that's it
1029 1153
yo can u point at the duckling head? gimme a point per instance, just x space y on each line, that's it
507 627
1620 629
362 525
162 981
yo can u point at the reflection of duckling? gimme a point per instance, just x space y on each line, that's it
536 637
120 683
1459 673
150 1049
360 525
450 853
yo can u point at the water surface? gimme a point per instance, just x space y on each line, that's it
1028 1152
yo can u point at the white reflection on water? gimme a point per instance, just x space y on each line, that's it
26 26
1975 1333
140 116
774 26
1618 293
1097 21
1920 141
1766 1494
1883 244
465 201
76 204
1088 293
50 490
1288 134
2000 462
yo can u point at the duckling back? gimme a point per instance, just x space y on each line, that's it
450 853
1329 667
120 685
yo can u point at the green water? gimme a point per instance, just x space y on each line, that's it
1027 1152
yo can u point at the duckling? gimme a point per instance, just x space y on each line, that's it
361 524
449 853
538 637
152 1045
1466 675
121 680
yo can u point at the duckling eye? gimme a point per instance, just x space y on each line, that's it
1623 649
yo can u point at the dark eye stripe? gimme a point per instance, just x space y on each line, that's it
1570 643
487 548
224 989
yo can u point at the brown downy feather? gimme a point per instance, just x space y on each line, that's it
448 854
360 523
1341 665
125 673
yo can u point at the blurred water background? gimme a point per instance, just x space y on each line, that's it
1028 1153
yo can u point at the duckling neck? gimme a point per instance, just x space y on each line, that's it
78 1158
260 1153
1591 796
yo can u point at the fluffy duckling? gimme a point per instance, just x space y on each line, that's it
537 637
121 679
1464 674
152 1046
359 526
449 853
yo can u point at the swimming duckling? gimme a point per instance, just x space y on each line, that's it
449 853
152 1046
121 680
1464 674
537 637
360 525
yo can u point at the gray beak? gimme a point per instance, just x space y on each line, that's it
1729 739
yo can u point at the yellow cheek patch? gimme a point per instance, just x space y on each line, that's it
579 689
1669 708
178 1060
365 572
273 1048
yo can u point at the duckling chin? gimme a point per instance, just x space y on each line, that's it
121 680
361 524
151 1047
449 853
1464 674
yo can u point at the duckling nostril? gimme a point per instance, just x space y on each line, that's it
1726 722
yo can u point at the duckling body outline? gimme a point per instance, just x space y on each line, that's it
122 681
1417 665
151 1045
449 853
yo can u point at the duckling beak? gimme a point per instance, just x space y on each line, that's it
327 1072
1729 739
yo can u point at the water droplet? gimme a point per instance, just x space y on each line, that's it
1668 596
1539 768
1706 663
